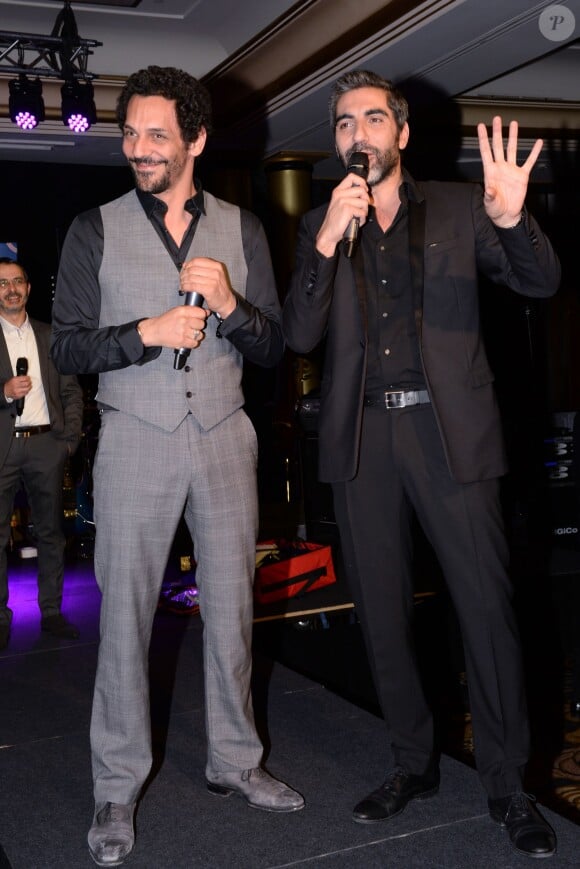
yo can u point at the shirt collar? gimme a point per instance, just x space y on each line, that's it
8 327
152 204
410 189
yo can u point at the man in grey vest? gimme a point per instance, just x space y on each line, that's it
173 435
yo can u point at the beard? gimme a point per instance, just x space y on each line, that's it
386 162
14 303
152 182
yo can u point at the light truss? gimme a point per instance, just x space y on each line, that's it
45 56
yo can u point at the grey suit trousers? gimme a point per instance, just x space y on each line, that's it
143 478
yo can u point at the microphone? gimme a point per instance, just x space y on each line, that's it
193 300
21 369
357 165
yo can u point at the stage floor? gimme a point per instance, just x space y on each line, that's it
331 749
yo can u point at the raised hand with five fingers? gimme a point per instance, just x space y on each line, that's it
505 183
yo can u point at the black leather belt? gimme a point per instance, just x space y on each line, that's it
31 430
394 399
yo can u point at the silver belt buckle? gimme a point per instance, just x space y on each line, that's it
393 400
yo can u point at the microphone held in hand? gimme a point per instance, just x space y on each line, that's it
357 165
194 300
21 370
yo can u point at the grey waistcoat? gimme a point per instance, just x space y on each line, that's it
138 279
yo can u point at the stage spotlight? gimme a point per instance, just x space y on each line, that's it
25 102
78 105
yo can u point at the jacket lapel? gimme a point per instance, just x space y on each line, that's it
416 255
5 365
358 271
42 347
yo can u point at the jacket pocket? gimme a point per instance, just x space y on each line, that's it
441 244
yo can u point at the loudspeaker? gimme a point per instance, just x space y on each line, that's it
560 463
563 515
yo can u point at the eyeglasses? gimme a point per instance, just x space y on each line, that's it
14 282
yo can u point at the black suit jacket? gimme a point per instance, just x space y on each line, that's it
63 395
451 239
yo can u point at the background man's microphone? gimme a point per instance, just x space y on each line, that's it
193 300
21 369
357 165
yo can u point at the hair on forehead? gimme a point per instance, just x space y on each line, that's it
192 100
364 78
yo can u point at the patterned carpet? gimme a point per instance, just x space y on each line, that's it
554 773
562 793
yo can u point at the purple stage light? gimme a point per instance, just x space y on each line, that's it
78 105
78 123
26 121
25 104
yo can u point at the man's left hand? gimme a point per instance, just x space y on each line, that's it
210 278
505 183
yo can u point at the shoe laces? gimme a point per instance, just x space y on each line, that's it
248 773
114 812
519 805
399 773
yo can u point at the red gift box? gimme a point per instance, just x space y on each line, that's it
286 569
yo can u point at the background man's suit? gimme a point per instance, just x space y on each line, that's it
45 456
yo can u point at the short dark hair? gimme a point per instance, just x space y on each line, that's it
192 100
364 78
10 261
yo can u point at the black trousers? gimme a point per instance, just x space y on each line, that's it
403 469
38 462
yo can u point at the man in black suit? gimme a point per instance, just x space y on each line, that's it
409 424
41 415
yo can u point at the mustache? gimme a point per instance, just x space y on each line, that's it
357 149
146 161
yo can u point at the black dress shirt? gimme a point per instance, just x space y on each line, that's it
80 345
394 360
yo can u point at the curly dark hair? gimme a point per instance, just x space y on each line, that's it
364 78
192 100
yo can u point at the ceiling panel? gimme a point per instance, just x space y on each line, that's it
270 63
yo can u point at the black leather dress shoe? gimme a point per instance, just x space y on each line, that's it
398 789
58 626
529 833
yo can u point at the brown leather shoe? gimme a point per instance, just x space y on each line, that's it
398 789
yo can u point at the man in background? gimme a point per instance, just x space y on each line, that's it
41 413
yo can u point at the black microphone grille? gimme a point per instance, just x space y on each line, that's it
358 164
